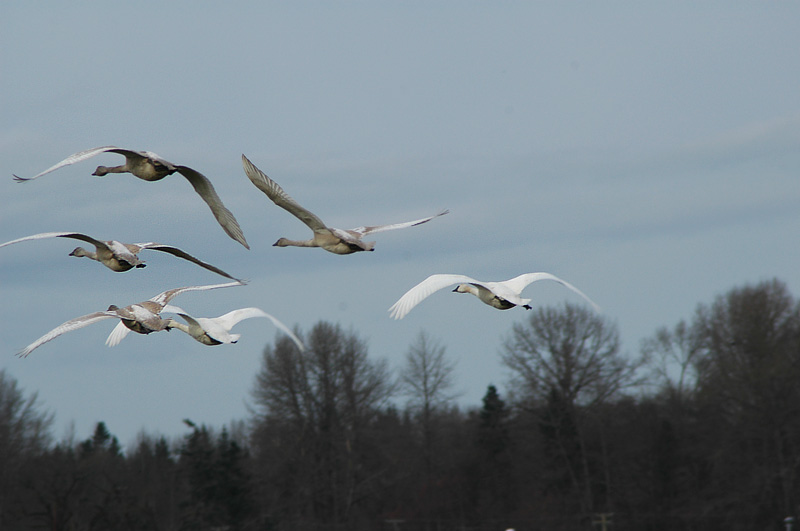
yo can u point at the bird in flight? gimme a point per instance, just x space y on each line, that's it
501 295
331 239
216 330
142 318
148 166
118 256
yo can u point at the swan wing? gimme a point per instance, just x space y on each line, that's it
182 254
381 228
121 331
117 334
279 197
169 308
206 190
189 319
424 289
230 319
63 328
517 284
75 235
154 158
72 159
123 251
164 297
350 237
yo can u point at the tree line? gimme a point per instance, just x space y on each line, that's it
697 431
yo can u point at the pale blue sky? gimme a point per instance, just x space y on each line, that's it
646 153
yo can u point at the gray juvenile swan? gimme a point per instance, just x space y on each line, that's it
142 318
118 256
148 166
334 240
216 331
501 295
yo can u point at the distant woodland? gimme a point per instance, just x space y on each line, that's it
699 429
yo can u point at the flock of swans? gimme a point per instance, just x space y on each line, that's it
146 317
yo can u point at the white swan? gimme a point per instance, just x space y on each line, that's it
142 318
216 331
118 256
148 166
501 295
334 240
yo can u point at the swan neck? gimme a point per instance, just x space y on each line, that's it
285 242
172 323
80 252
103 170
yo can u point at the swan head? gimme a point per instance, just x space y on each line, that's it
100 171
113 308
463 288
79 251
282 242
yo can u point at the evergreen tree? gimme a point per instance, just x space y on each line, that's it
492 477
219 484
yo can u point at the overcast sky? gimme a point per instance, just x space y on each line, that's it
646 153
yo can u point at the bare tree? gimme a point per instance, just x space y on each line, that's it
748 373
313 409
427 380
749 357
572 351
427 376
24 432
568 360
673 354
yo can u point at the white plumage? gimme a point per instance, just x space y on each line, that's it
142 318
501 295
216 330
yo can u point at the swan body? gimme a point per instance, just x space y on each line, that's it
337 241
118 256
216 331
142 318
501 295
148 166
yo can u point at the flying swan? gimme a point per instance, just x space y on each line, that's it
142 318
334 240
216 331
118 256
148 166
501 295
